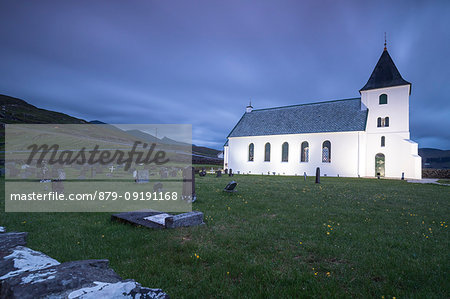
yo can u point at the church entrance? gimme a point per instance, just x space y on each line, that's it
379 165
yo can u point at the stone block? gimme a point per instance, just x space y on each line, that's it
23 259
11 240
185 219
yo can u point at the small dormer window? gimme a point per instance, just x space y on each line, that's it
383 141
383 99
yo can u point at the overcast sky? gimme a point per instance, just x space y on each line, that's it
199 62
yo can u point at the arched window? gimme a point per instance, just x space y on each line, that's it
383 122
251 151
284 152
383 99
326 152
304 155
267 152
383 141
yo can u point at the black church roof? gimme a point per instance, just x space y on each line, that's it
385 74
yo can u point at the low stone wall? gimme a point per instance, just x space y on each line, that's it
436 173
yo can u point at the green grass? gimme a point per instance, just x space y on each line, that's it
444 181
276 237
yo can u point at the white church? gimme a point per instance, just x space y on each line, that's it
360 137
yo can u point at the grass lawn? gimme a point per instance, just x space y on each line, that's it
276 237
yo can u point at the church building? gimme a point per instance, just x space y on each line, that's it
359 137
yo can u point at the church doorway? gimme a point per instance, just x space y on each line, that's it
379 165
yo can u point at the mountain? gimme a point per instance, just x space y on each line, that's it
435 158
167 140
205 151
13 111
97 122
143 136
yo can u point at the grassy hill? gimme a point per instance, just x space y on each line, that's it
13 111
435 158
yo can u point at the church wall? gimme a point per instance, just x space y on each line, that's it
400 155
397 109
344 154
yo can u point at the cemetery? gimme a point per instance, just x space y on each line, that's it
284 235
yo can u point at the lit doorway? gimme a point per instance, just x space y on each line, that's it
379 165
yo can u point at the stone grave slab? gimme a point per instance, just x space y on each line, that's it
142 176
86 279
137 218
11 240
186 219
230 187
159 218
23 259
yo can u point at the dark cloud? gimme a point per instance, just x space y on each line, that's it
200 62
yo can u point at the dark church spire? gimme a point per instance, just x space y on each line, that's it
385 73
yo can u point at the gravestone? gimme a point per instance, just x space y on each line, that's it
226 170
158 187
142 176
98 169
58 176
238 172
25 175
274 173
185 219
82 175
304 176
112 168
403 176
218 173
174 172
202 173
230 187
44 174
58 186
189 184
230 172
317 175
93 172
12 172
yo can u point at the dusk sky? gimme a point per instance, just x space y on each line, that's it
199 62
